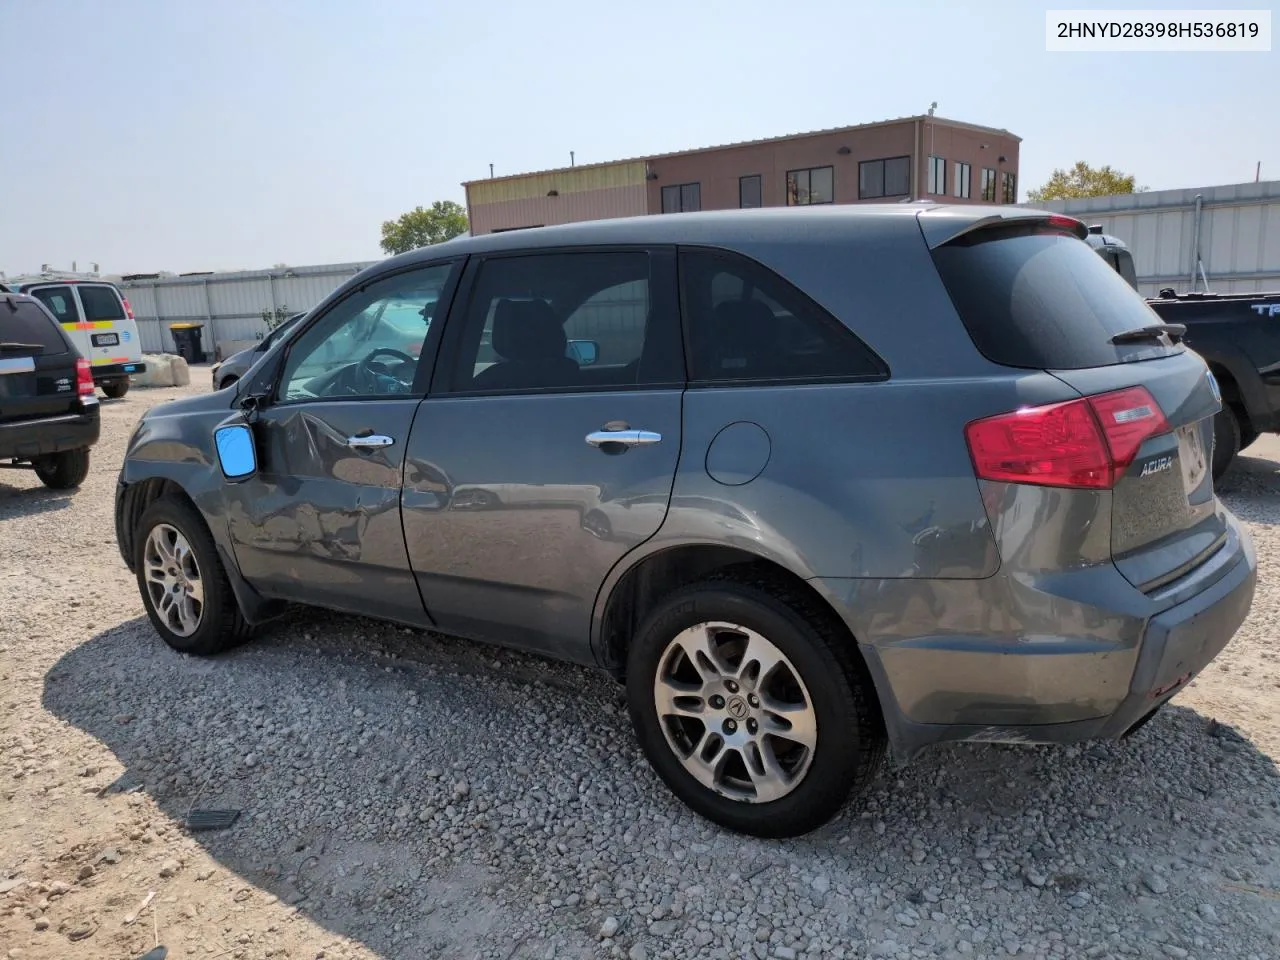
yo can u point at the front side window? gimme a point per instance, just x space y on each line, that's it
937 175
884 178
815 185
750 194
746 323
369 344
59 301
988 185
565 321
963 175
682 198
100 303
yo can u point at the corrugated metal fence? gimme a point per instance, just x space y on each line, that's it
230 305
1237 228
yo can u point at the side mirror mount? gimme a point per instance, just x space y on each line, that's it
236 454
583 352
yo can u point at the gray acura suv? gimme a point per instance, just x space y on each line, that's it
834 481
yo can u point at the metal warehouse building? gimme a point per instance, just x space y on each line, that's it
230 305
1235 228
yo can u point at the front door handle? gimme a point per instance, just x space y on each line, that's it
629 438
369 442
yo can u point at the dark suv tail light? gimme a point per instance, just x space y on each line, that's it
84 378
1088 442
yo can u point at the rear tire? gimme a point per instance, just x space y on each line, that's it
63 471
115 389
173 548
1226 439
1248 435
819 682
227 382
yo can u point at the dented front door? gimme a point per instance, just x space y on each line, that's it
320 523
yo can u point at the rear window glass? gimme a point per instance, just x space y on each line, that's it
100 303
59 301
1033 297
28 326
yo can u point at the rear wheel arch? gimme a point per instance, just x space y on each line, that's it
1231 395
646 582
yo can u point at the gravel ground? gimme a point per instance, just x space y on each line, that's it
406 795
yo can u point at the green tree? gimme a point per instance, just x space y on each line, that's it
1083 180
422 227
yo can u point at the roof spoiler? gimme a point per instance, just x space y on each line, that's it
942 226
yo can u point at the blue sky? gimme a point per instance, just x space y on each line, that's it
195 135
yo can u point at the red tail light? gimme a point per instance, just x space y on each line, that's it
1081 443
1068 223
84 378
128 310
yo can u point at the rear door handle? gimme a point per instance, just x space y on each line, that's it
369 442
629 438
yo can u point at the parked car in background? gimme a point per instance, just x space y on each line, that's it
838 479
100 322
228 371
48 407
1239 337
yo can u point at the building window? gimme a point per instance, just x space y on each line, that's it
963 176
749 193
937 176
988 185
815 185
682 198
1010 185
884 178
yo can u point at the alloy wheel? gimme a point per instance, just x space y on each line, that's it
736 712
173 580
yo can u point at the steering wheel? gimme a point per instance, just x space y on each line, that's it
373 372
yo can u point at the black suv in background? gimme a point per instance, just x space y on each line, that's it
1238 336
48 408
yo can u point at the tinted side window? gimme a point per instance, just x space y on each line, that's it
60 303
100 303
369 344
747 323
559 321
25 325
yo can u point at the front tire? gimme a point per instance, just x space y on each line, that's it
183 584
227 382
753 706
115 389
64 471
1226 439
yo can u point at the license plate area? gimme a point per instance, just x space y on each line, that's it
1192 455
105 339
11 366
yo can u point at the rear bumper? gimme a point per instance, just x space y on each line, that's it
1027 660
1183 640
107 372
29 439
